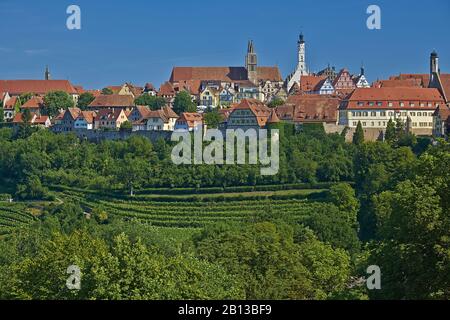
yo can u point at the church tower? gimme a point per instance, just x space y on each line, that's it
251 63
435 78
301 69
301 65
47 73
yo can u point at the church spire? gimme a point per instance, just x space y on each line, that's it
47 73
251 62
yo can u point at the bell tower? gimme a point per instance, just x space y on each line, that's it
251 63
301 64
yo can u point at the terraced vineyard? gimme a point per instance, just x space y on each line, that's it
194 211
13 215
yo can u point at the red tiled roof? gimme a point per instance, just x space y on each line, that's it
445 80
169 112
74 112
10 103
166 89
108 114
112 100
41 120
191 118
397 83
423 78
41 87
258 108
273 118
310 108
394 96
87 115
226 74
34 103
309 83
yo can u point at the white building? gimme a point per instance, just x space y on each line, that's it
301 65
375 106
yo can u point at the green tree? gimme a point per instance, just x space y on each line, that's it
344 197
84 100
27 116
358 136
127 126
56 100
275 102
153 102
2 114
24 97
212 118
107 91
183 103
390 134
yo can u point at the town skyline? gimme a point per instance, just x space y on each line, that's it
104 63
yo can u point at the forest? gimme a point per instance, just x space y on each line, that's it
140 227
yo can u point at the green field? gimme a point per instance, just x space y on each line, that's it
13 215
196 211
179 215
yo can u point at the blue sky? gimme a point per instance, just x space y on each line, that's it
141 40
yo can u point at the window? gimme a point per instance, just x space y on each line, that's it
364 124
391 114
379 103
430 104
371 103
355 123
413 114
372 124
373 114
383 113
430 114
360 103
402 104
422 104
419 114
390 104
365 114
412 104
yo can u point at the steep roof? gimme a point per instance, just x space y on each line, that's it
310 83
17 87
88 116
191 118
258 108
166 89
310 108
34 103
273 118
112 100
169 112
73 112
10 103
225 74
108 114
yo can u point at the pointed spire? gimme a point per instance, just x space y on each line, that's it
250 48
273 117
362 69
47 73
301 38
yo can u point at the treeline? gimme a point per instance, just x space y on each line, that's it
32 160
